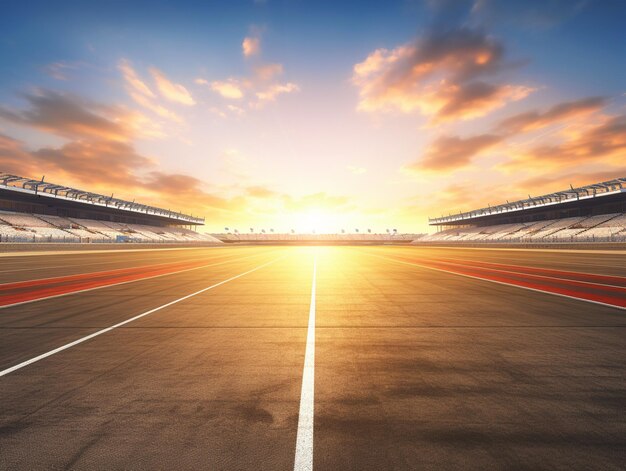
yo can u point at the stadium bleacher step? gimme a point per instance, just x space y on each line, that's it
610 218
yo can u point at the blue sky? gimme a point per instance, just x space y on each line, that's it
338 114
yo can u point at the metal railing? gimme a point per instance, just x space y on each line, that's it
528 240
596 190
38 239
40 188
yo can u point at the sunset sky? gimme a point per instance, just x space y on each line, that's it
315 115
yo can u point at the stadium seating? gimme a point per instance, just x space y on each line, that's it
31 227
294 237
21 227
606 227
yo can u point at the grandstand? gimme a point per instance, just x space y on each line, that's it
592 213
296 238
38 211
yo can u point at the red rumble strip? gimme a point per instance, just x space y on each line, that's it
602 289
570 275
32 290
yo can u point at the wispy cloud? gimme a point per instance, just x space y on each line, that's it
60 70
172 91
560 112
453 152
142 94
260 86
270 94
450 152
73 117
132 79
231 88
604 142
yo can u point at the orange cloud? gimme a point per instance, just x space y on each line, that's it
170 90
533 120
109 166
14 158
604 142
548 183
251 46
102 163
442 75
70 116
452 152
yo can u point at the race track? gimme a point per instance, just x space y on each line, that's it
325 358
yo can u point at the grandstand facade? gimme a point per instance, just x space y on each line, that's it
592 213
310 238
39 211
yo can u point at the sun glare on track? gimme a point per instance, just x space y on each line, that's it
312 236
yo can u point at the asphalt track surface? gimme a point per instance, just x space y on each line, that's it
326 358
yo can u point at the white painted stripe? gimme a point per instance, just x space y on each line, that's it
532 275
121 282
540 268
52 267
501 282
304 440
128 321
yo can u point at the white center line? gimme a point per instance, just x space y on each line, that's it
127 321
304 440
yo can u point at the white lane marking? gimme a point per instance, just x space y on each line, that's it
304 439
128 321
123 282
540 268
532 275
500 282
109 262
94 273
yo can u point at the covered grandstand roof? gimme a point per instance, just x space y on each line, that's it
571 195
62 193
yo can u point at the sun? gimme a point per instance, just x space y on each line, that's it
317 221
